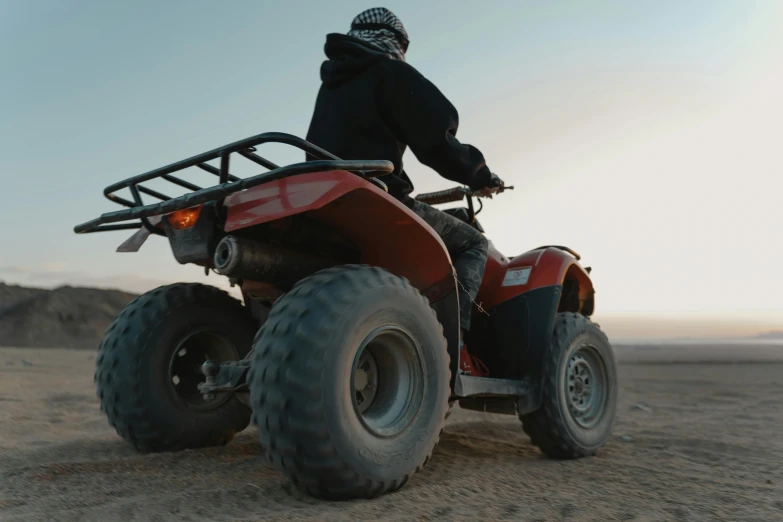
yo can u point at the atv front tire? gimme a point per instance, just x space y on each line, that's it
149 368
580 391
350 383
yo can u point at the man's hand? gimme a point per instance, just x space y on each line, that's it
495 182
495 185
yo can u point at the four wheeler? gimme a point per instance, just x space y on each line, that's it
344 352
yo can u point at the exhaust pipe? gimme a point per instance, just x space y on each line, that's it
247 259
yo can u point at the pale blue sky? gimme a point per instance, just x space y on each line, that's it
643 134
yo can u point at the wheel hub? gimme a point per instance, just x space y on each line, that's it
185 367
364 381
387 380
585 386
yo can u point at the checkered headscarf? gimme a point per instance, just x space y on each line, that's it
380 27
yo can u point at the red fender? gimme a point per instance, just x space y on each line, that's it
387 233
547 266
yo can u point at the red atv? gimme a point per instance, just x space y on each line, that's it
345 351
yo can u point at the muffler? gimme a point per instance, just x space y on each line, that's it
241 258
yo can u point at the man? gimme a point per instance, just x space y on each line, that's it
372 105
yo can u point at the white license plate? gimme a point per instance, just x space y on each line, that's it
517 276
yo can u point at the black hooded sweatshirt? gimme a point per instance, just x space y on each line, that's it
371 107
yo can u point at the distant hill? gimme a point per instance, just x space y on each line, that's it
11 295
65 317
771 335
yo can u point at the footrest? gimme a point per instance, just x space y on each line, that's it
467 386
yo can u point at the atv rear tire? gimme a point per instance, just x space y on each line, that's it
350 383
148 368
580 391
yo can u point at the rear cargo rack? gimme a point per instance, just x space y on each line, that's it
228 183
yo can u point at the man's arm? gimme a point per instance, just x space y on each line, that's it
422 117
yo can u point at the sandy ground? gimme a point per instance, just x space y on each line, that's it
705 444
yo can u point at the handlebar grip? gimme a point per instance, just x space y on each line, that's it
443 196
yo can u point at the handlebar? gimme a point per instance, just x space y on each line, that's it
443 196
458 193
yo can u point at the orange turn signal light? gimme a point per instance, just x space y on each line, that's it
185 218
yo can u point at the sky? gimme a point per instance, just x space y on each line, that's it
645 135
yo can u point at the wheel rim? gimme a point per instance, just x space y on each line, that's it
387 380
586 386
185 367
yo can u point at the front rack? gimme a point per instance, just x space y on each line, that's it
228 183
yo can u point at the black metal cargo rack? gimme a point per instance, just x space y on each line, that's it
228 184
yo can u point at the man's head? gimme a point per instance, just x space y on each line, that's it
380 27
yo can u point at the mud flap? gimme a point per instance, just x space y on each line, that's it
523 328
134 243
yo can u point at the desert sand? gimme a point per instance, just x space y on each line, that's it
692 441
